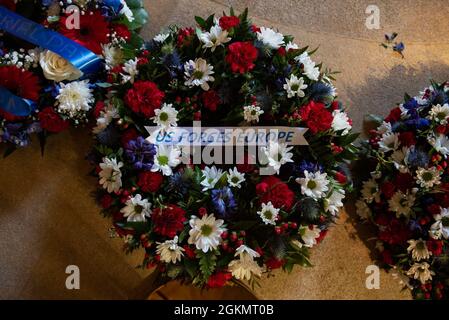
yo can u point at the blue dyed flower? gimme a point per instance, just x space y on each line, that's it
309 167
178 182
223 201
418 158
140 153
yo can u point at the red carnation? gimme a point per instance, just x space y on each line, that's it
150 181
168 221
316 116
241 56
274 190
144 97
388 189
404 181
106 201
51 121
435 246
228 22
122 31
274 263
395 233
407 138
93 31
434 209
395 115
128 135
211 100
218 279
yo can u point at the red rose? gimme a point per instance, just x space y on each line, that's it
316 116
51 121
388 189
395 115
144 97
150 181
218 279
435 246
122 31
404 181
106 201
274 190
407 138
228 22
128 135
211 100
274 263
241 56
168 221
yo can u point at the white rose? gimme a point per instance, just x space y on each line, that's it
57 68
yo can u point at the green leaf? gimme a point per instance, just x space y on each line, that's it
207 263
201 22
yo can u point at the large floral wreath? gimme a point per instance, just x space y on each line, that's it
209 224
407 195
60 93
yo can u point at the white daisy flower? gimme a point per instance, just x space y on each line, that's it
335 201
268 213
419 250
440 143
389 142
235 178
161 37
309 235
402 203
270 38
167 157
166 116
126 11
244 268
427 178
112 55
251 113
110 174
106 116
440 228
341 122
399 159
214 38
278 154
295 86
314 184
206 232
198 73
291 46
75 98
130 71
310 69
439 113
362 209
210 177
421 271
370 191
169 251
136 209
244 250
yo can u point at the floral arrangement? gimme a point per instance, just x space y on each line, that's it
210 224
61 94
407 195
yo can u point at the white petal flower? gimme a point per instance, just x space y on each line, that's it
295 86
235 178
245 267
427 178
269 213
335 201
440 228
126 11
314 184
198 73
389 142
419 250
310 69
206 232
105 118
136 209
167 157
57 68
421 272
210 177
291 46
161 37
278 154
270 38
166 116
370 191
439 113
130 71
341 122
113 55
170 251
251 113
244 250
75 98
363 210
110 174
216 37
402 203
309 234
440 143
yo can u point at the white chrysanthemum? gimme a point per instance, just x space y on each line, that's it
169 251
206 232
167 157
75 98
310 69
251 113
389 142
270 38
362 209
295 86
421 271
244 250
439 113
314 184
126 11
245 267
427 178
440 228
161 37
278 154
130 71
166 116
136 209
335 201
291 46
214 38
402 203
113 55
309 235
210 177
440 143
106 116
110 174
341 122
419 250
385 127
370 191
268 213
235 178
399 157
198 73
